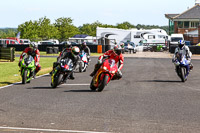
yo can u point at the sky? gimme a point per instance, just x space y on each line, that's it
148 12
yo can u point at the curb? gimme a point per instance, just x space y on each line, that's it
20 82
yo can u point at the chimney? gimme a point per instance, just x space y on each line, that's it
197 2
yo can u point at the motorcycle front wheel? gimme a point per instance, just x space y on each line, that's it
103 83
24 77
57 80
183 72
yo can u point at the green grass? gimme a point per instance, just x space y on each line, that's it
10 71
42 53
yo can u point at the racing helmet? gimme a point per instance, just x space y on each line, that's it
68 44
33 45
83 45
181 43
75 51
117 49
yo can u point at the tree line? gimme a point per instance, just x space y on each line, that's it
63 29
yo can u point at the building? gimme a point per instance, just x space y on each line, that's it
110 36
186 23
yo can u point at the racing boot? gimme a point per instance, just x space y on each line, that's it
191 67
72 76
96 68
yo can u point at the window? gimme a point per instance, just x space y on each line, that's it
194 24
186 24
136 36
180 24
151 37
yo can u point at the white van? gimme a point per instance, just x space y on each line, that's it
47 42
175 38
24 41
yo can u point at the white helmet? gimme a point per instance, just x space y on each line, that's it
33 45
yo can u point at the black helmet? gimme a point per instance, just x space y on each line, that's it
68 44
83 44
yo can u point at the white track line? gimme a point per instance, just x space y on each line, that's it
20 82
75 84
49 130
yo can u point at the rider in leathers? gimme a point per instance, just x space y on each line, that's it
111 54
184 50
86 49
74 55
33 51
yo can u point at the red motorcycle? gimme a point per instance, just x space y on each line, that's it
103 76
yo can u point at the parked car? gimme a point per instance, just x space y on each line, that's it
8 41
24 41
130 46
141 47
46 43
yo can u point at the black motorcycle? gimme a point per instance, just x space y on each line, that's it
61 72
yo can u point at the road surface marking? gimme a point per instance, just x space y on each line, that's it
49 130
76 84
20 82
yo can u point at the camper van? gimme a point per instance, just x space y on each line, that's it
152 36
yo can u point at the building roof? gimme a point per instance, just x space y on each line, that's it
192 13
80 36
171 16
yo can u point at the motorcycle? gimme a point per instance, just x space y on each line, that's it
61 72
83 62
103 76
27 68
181 64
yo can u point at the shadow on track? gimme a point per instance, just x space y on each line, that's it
164 81
79 91
6 83
41 88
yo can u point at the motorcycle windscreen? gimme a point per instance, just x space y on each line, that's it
182 59
67 64
28 59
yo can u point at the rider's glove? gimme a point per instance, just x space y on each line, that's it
99 61
36 64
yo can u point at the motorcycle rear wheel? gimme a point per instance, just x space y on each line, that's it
80 67
103 83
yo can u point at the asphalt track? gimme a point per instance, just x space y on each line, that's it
148 99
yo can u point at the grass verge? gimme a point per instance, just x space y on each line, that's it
10 71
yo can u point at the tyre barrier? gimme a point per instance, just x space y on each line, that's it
52 50
7 53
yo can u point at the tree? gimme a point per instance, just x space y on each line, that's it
46 30
125 25
29 30
65 28
90 29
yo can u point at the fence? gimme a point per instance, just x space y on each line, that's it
193 49
93 48
7 53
